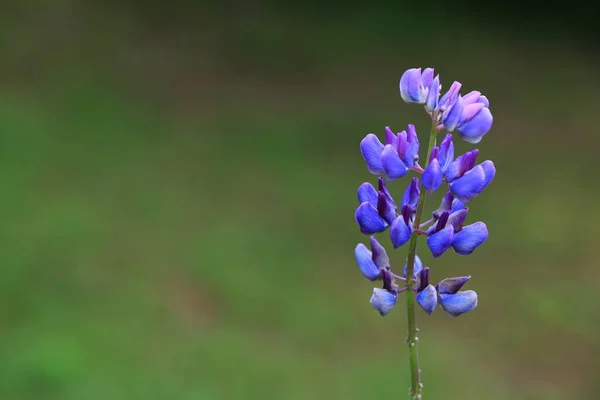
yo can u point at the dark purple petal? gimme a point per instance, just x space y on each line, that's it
440 241
391 206
411 194
432 176
445 205
368 219
439 224
457 219
392 165
423 279
386 208
388 281
427 299
410 86
383 301
461 165
382 187
469 238
452 285
458 303
469 185
473 130
364 259
379 255
399 232
367 193
390 137
371 149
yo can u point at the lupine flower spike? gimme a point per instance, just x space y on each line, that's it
461 178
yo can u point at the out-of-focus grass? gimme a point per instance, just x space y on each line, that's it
154 253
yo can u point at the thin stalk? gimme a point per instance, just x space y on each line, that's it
416 386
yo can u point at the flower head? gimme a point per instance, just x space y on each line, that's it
469 115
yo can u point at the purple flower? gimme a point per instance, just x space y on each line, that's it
467 180
449 203
392 159
440 235
433 95
414 85
467 239
447 293
396 157
432 176
476 118
453 301
451 117
402 226
449 231
371 262
377 208
383 301
426 293
371 149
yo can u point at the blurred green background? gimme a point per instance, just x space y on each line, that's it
179 182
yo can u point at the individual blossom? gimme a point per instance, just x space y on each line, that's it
467 180
454 301
469 115
433 174
447 293
394 159
371 262
449 231
426 293
402 226
450 108
414 85
476 118
377 209
374 264
384 299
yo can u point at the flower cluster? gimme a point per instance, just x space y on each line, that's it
463 177
374 265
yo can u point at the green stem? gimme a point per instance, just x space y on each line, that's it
415 372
